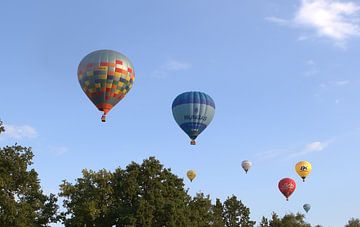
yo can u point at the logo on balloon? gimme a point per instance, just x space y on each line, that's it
287 186
196 110
195 117
303 168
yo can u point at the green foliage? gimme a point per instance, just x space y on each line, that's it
264 222
217 214
2 129
22 202
236 214
144 195
289 220
141 195
200 210
90 199
353 222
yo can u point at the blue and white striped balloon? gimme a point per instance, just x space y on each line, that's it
193 111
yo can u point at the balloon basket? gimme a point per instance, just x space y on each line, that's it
192 142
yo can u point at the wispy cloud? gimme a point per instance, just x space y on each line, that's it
58 150
169 67
332 19
20 132
312 147
337 83
311 72
342 82
278 20
310 62
311 68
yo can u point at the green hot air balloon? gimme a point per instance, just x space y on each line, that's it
307 207
105 76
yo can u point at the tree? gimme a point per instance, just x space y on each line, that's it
289 220
89 201
144 194
140 195
2 129
264 222
353 222
217 214
200 210
236 213
22 202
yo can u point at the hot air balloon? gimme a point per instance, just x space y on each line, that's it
246 165
105 76
191 174
193 111
303 168
287 187
307 207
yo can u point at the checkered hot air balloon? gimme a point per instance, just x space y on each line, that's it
105 76
193 111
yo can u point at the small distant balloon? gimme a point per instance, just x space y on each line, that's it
246 165
105 76
191 174
193 112
287 186
303 169
307 207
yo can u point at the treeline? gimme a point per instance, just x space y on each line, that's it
144 194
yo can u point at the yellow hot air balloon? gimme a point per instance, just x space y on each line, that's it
303 168
191 174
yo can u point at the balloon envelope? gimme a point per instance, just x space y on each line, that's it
307 207
105 76
246 165
191 174
193 112
303 169
287 186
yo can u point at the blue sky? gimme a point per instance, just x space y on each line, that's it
283 75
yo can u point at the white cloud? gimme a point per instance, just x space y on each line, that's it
315 146
60 150
273 153
342 82
312 147
310 62
311 68
20 132
311 72
333 19
176 65
338 83
278 20
169 67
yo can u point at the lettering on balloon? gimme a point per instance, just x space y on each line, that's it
303 168
195 117
287 186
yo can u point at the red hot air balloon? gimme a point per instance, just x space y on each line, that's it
287 186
